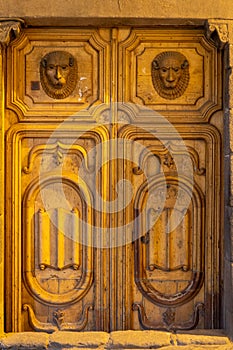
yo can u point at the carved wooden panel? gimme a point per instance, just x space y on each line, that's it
85 78
52 244
113 209
173 240
56 236
173 248
146 52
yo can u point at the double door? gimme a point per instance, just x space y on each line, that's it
113 144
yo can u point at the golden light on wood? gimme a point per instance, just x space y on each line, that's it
82 251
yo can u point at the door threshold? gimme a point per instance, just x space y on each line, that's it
146 339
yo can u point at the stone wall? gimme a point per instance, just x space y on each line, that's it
159 9
146 12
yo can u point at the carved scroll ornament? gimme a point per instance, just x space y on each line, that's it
9 30
58 320
58 74
221 29
170 74
168 319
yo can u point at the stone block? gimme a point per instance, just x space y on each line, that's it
198 347
63 340
83 348
202 339
139 339
25 340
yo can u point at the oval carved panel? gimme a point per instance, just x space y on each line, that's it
57 264
169 260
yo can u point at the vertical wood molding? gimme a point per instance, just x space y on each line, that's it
9 30
2 98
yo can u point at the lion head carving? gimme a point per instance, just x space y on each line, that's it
58 74
170 74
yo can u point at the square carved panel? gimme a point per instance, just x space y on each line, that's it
171 72
56 73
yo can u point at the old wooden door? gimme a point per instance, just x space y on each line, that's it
113 217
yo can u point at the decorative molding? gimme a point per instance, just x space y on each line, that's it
58 151
76 326
144 80
82 84
168 160
221 29
168 318
67 239
168 156
9 30
37 325
38 290
58 320
178 255
147 262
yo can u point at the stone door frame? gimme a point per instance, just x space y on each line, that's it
221 32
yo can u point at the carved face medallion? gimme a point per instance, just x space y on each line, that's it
58 74
170 74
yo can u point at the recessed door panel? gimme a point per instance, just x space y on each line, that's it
171 244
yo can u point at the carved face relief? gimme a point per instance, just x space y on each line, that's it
170 74
58 74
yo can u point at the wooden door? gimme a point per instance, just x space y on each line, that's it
114 193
